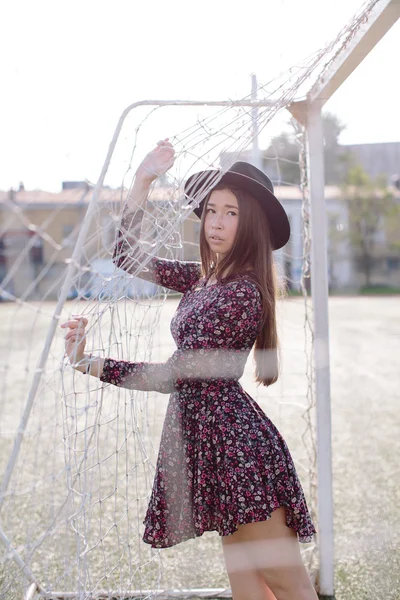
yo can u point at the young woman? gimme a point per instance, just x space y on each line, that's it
222 464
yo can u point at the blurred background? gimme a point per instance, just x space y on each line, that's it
68 71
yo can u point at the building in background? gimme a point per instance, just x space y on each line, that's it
344 262
377 159
38 231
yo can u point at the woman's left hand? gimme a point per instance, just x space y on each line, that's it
157 162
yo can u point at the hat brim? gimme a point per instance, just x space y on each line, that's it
204 182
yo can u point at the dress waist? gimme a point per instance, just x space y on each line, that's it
209 384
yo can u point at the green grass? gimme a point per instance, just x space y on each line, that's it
378 290
363 291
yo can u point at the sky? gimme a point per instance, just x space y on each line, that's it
69 69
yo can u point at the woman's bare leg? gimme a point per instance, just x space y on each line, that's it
268 550
249 585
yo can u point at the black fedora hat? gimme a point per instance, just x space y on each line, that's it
245 176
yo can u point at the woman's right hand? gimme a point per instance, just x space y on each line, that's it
157 162
75 339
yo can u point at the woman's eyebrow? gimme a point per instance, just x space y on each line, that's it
225 205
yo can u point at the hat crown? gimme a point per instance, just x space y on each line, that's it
248 170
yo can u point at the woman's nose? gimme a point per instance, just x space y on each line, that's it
217 221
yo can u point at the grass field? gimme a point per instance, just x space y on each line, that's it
74 446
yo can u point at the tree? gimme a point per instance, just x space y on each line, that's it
392 226
369 203
336 160
281 159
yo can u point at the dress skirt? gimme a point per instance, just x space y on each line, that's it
222 462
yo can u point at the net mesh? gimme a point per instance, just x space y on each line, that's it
76 489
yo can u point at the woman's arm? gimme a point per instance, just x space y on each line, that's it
172 274
233 322
186 364
127 255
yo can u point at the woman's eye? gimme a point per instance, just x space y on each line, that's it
231 212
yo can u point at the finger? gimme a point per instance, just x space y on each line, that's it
164 143
71 325
72 342
78 329
75 322
80 318
76 334
167 153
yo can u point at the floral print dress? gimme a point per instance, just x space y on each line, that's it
221 461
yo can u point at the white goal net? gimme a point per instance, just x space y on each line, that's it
77 458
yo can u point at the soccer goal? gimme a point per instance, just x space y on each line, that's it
77 457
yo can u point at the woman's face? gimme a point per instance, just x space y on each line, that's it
221 221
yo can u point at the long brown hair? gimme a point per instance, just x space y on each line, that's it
252 248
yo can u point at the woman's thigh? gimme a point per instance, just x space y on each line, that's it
271 550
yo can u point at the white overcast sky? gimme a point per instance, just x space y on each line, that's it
68 69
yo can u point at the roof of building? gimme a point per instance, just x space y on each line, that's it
76 197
